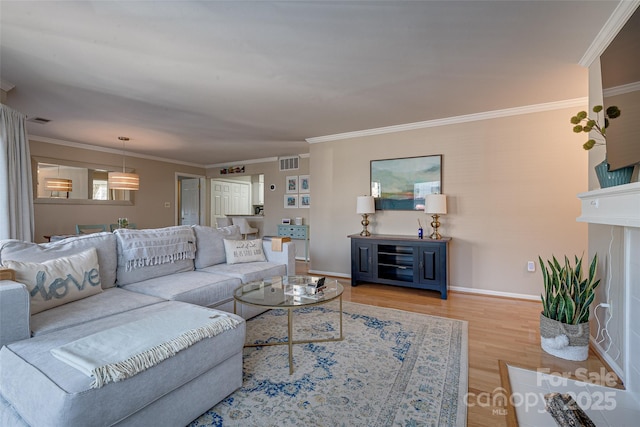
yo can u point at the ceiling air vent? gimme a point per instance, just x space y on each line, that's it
289 163
40 120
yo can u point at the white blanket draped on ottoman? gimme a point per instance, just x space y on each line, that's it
123 351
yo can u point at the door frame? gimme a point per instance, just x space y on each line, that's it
203 196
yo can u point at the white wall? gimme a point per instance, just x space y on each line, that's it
511 184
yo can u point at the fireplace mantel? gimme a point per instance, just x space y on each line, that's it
619 205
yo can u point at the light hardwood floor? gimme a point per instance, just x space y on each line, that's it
499 329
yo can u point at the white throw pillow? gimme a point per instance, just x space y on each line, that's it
59 281
238 251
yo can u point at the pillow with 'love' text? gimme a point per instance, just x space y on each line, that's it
58 281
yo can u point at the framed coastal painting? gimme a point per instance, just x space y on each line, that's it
303 182
290 201
402 184
291 185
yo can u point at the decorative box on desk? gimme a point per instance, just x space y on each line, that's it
300 232
401 261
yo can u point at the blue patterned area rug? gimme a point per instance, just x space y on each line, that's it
394 368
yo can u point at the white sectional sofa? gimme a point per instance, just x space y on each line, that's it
38 389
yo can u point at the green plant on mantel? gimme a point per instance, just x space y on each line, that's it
567 295
583 123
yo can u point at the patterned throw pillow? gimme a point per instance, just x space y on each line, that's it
238 251
59 281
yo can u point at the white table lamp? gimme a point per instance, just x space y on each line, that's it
436 205
365 206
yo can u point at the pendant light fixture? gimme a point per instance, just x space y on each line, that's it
58 184
123 180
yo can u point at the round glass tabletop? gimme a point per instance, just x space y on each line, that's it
288 291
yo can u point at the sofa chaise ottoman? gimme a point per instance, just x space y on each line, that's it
48 392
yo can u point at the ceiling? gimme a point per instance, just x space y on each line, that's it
217 82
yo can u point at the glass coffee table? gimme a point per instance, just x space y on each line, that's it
289 292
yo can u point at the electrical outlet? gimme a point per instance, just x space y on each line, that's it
531 266
167 204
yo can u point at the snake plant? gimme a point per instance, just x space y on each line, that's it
567 295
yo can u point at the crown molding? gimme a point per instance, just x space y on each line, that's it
245 162
253 161
83 146
620 90
108 150
528 109
607 33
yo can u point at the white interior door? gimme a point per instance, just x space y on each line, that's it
241 198
189 201
229 198
220 199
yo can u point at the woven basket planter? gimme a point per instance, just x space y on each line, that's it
569 342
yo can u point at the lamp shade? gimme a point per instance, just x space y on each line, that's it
123 181
436 204
58 184
365 205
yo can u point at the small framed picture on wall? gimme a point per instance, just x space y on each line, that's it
305 200
292 184
290 201
303 181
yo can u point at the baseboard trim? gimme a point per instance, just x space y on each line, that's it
451 288
494 293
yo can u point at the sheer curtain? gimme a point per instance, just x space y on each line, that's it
16 191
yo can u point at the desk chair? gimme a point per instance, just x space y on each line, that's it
223 222
245 228
90 228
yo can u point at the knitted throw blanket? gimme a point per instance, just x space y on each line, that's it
119 353
140 248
